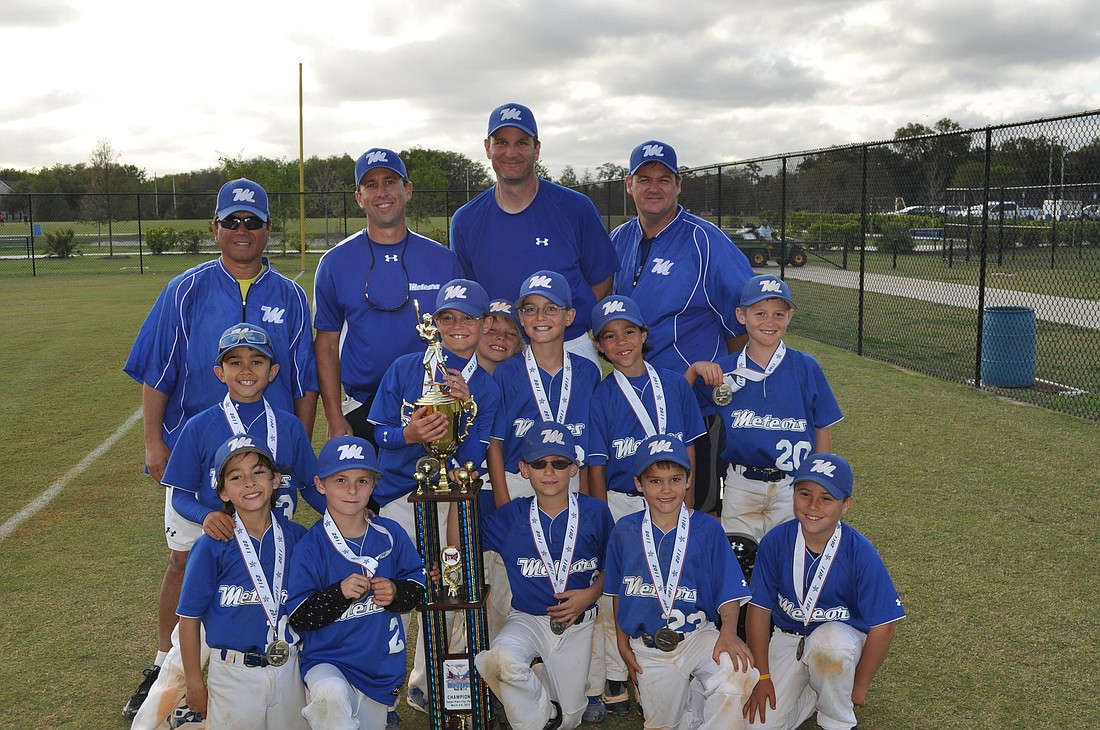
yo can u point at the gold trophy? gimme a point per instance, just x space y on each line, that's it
435 399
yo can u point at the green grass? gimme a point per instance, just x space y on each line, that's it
979 506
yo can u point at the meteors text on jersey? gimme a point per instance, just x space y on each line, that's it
838 613
361 608
534 567
749 419
238 596
636 586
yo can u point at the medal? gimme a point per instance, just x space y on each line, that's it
278 653
666 639
723 395
557 628
801 646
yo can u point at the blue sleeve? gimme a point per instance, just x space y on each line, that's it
385 410
188 507
826 411
613 566
306 468
599 427
305 362
694 426
201 578
494 527
458 243
328 315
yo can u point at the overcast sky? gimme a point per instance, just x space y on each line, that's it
174 86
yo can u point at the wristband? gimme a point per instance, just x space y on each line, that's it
764 676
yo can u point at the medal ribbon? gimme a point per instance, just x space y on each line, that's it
809 600
255 569
666 593
736 379
369 563
636 403
238 429
540 393
560 576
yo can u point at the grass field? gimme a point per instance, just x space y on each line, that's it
979 506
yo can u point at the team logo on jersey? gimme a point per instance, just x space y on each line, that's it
637 586
542 241
627 447
230 596
615 305
553 436
391 257
749 419
350 452
540 282
376 156
660 446
424 287
244 195
823 466
535 568
454 292
771 285
521 426
662 266
794 610
274 315
363 607
510 113
500 307
653 150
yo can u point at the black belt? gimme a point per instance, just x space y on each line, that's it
248 658
647 640
769 474
792 633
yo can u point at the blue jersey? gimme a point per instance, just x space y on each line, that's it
367 643
857 590
616 430
560 230
773 423
176 348
709 579
687 289
192 467
404 383
518 410
218 589
371 340
508 531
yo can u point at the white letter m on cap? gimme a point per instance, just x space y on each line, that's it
246 195
771 285
541 282
613 306
660 447
350 451
653 150
510 113
821 466
243 442
373 157
550 436
455 292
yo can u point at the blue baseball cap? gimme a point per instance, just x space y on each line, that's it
615 307
505 308
239 444
550 284
548 438
660 447
654 151
244 334
765 286
830 471
346 452
379 157
242 194
513 115
464 295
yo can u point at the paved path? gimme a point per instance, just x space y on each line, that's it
1079 312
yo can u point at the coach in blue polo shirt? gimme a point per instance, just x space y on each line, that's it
364 294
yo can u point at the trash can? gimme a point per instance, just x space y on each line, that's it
1008 347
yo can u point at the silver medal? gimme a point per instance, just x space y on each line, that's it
723 395
278 653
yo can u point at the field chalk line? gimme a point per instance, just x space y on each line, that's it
54 489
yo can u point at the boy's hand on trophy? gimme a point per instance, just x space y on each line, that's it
425 426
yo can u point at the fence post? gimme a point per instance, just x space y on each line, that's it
30 222
862 253
141 260
981 266
719 196
782 202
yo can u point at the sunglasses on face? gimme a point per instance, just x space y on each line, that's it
251 222
246 337
558 464
549 310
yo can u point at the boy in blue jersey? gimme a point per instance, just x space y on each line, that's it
673 576
776 409
552 546
245 365
460 308
633 403
236 590
352 574
833 605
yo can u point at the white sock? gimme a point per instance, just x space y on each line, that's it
161 656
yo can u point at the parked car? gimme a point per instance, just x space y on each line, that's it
1063 210
1091 212
952 209
917 210
1006 209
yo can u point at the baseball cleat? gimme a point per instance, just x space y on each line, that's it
617 698
184 718
417 700
393 720
595 712
555 720
134 703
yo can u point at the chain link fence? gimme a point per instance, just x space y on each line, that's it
972 256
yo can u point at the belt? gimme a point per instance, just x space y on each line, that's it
757 474
245 658
647 640
792 633
587 615
631 493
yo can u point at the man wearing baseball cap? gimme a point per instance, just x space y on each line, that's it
171 356
367 291
525 223
691 276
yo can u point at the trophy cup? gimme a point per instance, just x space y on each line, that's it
435 399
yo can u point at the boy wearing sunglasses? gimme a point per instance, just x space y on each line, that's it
553 546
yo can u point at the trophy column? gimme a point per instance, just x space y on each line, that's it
457 695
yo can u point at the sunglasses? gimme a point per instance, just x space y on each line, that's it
558 464
549 310
251 222
243 337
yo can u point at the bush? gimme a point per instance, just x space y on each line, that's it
160 240
191 239
59 244
896 238
439 235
